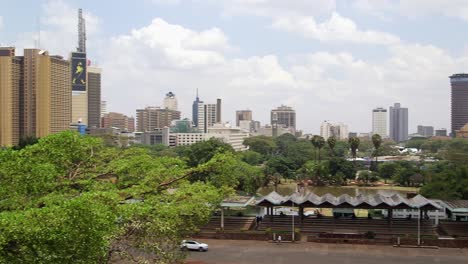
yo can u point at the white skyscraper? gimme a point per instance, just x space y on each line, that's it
328 129
379 122
170 102
208 115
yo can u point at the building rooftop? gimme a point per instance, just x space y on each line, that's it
459 75
360 201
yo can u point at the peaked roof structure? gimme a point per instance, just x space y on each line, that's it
395 201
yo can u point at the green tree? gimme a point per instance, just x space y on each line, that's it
354 145
203 151
261 144
387 170
331 141
342 166
318 142
377 141
251 157
102 203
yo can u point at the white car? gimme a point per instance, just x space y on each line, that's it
193 245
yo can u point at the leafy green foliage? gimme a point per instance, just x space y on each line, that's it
261 144
203 151
71 199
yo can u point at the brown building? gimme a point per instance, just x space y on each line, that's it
94 96
463 132
11 83
243 115
118 120
152 118
459 83
35 91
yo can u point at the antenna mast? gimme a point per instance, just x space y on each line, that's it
81 32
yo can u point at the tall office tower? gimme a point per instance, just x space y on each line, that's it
152 118
242 115
208 115
338 130
118 120
459 83
426 131
11 83
170 101
80 95
379 121
94 96
218 111
284 116
37 86
398 123
195 110
46 98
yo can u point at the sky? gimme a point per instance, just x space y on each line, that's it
328 59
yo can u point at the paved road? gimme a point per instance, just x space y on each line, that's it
245 252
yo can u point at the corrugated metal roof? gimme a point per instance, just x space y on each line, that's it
395 200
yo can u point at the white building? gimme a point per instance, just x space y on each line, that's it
379 122
170 102
232 136
103 108
329 129
208 115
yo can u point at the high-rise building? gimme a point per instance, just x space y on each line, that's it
195 110
46 95
208 115
426 131
243 115
398 123
379 121
103 108
459 83
152 118
441 132
283 116
11 83
94 96
338 130
80 96
118 120
170 101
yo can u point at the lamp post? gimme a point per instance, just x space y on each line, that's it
419 226
292 215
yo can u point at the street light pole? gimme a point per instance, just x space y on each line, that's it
419 226
292 214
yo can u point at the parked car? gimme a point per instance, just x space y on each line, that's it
193 245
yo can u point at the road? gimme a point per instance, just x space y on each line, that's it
245 252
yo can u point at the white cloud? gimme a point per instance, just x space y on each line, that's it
414 8
336 28
278 8
148 62
59 33
1 22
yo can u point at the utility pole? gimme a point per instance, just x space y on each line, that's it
292 214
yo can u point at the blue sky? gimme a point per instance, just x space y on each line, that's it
329 59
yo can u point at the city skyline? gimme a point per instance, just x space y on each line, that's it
316 72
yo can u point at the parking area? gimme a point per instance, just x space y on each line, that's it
246 251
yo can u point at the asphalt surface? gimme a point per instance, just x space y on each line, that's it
240 252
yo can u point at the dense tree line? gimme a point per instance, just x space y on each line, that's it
72 199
